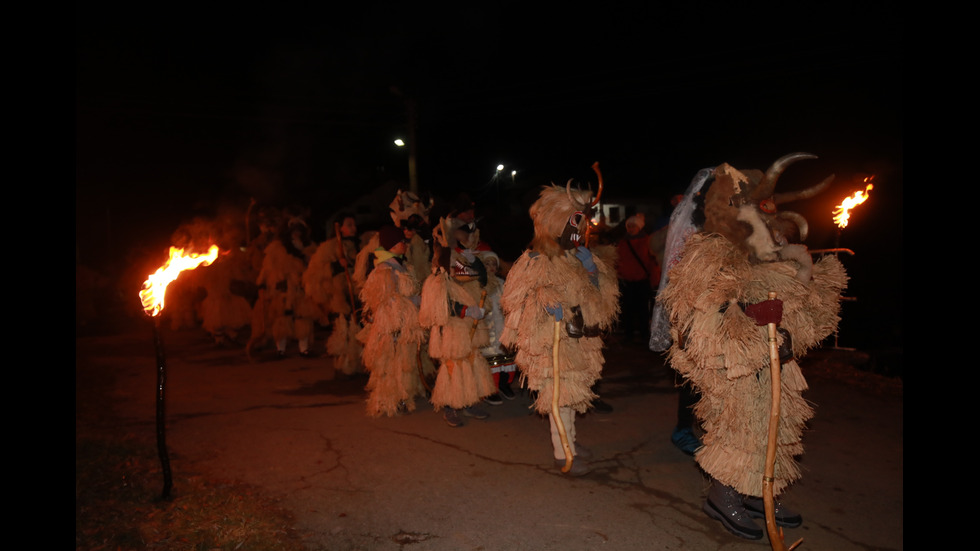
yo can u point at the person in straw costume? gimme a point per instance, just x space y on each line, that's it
281 298
561 289
717 301
327 281
392 334
452 310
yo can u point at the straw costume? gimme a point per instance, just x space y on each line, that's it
327 281
391 334
715 296
224 314
281 297
561 281
452 312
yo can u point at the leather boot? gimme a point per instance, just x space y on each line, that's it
725 504
784 516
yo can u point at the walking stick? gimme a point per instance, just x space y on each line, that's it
340 251
418 365
555 388
483 299
775 369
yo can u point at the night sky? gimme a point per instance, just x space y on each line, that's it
292 106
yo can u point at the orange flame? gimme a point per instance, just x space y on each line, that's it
842 212
155 287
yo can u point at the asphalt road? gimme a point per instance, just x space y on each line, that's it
293 430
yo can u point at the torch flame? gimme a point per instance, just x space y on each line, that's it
155 287
842 212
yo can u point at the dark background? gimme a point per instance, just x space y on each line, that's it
188 110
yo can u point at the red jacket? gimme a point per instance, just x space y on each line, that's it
639 266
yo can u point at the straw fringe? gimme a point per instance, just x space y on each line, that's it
463 376
536 281
343 346
391 341
725 354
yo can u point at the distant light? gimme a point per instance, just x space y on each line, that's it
500 167
400 142
513 173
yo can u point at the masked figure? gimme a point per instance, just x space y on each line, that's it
453 310
391 334
562 283
728 248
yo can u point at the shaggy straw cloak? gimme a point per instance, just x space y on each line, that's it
464 376
343 346
224 313
391 340
325 282
726 355
281 295
538 281
327 285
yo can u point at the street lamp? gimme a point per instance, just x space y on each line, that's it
412 176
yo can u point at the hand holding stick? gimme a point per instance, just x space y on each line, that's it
483 299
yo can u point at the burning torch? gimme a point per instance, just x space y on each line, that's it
152 297
842 214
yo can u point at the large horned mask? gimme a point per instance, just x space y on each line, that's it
561 217
742 206
409 206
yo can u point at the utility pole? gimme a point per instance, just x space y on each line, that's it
413 177
412 121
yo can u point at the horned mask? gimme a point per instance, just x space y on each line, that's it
561 218
455 242
406 205
742 206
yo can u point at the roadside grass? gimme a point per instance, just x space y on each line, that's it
119 505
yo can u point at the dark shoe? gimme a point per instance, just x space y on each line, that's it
452 417
581 452
685 440
601 407
493 399
725 504
475 412
579 467
505 389
784 516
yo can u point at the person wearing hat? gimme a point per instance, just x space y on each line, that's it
392 334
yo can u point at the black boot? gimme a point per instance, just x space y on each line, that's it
784 516
725 504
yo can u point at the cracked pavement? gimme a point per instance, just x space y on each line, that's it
302 436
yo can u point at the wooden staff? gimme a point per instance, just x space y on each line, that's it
834 251
418 365
588 227
340 251
555 388
775 369
483 299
